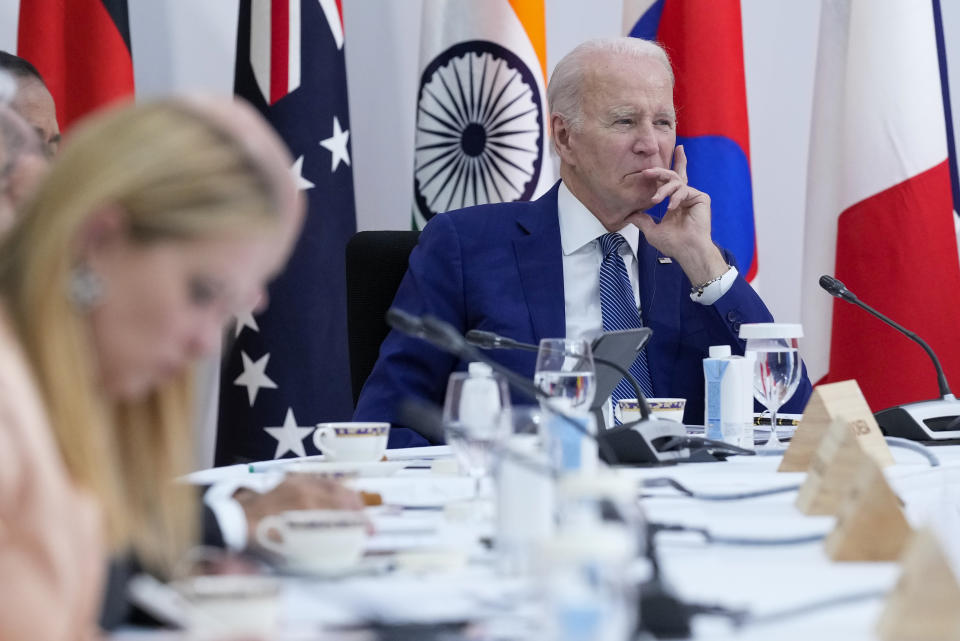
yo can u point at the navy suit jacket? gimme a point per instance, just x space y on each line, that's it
499 268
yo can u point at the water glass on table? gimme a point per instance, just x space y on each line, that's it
565 372
777 370
471 418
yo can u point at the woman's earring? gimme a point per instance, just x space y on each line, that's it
86 287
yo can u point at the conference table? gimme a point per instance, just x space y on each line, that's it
440 570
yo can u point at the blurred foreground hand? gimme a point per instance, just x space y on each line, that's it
296 492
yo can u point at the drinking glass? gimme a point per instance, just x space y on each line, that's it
472 423
565 372
777 369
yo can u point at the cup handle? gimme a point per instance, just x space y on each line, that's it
266 524
323 438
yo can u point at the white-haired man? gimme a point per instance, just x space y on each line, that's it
585 257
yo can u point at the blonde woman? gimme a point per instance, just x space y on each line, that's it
156 224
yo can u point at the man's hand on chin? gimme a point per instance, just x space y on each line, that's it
684 231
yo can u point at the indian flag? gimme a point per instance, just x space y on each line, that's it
482 114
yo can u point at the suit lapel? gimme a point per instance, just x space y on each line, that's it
540 263
647 256
654 276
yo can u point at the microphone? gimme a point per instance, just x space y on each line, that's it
934 420
835 288
491 340
444 336
404 322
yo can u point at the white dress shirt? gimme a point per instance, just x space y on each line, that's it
230 515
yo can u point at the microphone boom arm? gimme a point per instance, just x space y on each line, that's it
836 288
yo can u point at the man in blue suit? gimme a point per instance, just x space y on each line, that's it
532 270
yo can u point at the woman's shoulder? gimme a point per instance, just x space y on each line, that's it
28 452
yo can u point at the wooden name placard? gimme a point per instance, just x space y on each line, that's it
831 472
923 605
870 524
827 404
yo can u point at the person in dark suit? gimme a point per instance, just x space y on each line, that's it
532 270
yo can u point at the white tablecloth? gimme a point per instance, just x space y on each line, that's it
764 580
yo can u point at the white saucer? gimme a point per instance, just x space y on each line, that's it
368 565
346 469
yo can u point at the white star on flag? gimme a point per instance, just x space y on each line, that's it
254 376
246 319
290 436
337 144
297 170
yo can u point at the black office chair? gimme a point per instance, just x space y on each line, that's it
376 263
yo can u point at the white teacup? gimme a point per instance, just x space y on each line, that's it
357 442
628 409
316 540
226 603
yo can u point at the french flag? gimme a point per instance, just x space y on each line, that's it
705 44
880 207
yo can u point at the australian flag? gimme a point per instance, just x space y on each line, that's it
287 368
705 44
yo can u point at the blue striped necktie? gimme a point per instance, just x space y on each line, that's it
618 308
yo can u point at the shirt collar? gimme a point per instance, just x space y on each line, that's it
578 225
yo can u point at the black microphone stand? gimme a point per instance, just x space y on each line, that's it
934 420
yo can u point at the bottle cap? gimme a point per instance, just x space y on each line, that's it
719 351
477 368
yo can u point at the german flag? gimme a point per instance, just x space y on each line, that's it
82 49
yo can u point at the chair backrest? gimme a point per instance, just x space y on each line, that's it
376 263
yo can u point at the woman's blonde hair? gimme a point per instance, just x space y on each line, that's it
177 174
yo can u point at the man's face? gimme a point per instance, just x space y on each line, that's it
35 105
629 124
22 164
